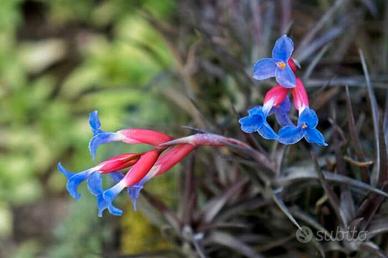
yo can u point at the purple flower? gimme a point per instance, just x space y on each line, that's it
306 128
277 66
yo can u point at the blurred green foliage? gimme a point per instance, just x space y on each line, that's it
80 235
49 82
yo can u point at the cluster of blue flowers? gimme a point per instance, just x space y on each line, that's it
276 101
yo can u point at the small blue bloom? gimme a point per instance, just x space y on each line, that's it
95 123
99 136
133 191
94 182
110 195
306 128
116 177
95 187
277 66
256 121
75 179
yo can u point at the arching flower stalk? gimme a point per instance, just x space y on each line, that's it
131 171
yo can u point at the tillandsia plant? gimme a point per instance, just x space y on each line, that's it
141 167
276 101
167 151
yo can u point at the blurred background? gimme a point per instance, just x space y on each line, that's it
164 65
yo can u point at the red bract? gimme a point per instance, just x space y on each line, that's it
130 135
299 94
150 164
143 136
141 168
119 162
172 157
292 63
276 95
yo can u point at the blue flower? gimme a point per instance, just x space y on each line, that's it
75 179
99 136
94 178
128 136
256 121
95 187
133 191
306 128
94 181
277 66
111 194
281 112
105 199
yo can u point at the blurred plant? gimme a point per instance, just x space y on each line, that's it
57 59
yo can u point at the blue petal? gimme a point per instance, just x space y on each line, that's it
95 183
285 77
285 106
116 176
264 68
282 118
94 122
290 134
267 132
110 195
101 138
312 135
250 124
283 48
308 117
255 111
74 180
281 113
134 192
95 187
101 205
65 172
